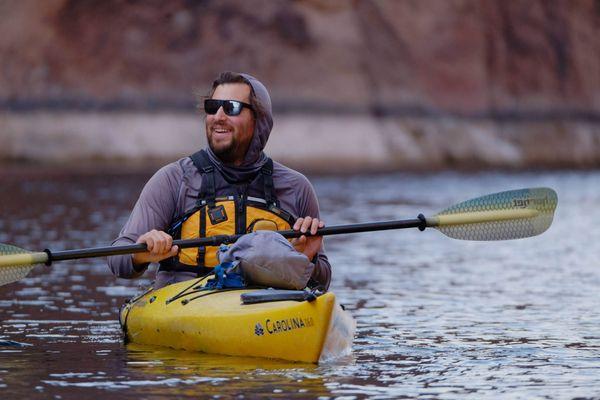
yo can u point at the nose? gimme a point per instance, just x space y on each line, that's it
220 114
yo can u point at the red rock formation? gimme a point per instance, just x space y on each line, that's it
463 56
479 60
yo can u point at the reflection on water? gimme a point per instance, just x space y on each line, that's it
437 318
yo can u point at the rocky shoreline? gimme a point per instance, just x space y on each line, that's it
314 143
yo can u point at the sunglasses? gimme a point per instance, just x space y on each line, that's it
230 107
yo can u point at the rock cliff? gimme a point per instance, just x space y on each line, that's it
430 83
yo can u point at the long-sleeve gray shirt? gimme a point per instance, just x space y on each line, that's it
174 189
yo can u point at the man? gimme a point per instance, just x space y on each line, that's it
230 187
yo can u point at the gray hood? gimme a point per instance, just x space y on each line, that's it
263 125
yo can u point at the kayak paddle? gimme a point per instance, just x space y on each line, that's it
507 215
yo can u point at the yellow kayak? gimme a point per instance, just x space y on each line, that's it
186 316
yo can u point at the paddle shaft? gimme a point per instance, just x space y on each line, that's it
221 239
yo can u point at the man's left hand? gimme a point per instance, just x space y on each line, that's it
310 245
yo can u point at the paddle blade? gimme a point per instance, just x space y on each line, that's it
15 263
501 216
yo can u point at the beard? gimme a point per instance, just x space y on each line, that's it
225 151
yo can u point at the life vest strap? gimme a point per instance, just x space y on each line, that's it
208 189
202 233
266 173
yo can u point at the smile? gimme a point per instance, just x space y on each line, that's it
221 131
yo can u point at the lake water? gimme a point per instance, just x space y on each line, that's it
437 318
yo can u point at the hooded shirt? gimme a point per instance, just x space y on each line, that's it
174 189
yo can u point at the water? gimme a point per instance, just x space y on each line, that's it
437 318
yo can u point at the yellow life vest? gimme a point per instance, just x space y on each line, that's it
226 215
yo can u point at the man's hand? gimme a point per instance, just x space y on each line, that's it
160 246
308 245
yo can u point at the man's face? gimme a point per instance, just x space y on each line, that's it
229 136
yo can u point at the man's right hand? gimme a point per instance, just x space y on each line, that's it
160 246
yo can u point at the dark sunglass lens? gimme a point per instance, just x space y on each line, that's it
232 108
211 106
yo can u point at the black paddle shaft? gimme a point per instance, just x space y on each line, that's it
419 222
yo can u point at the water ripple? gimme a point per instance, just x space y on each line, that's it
437 318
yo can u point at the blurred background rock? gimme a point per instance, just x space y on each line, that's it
359 85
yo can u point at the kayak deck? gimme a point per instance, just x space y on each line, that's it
216 321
